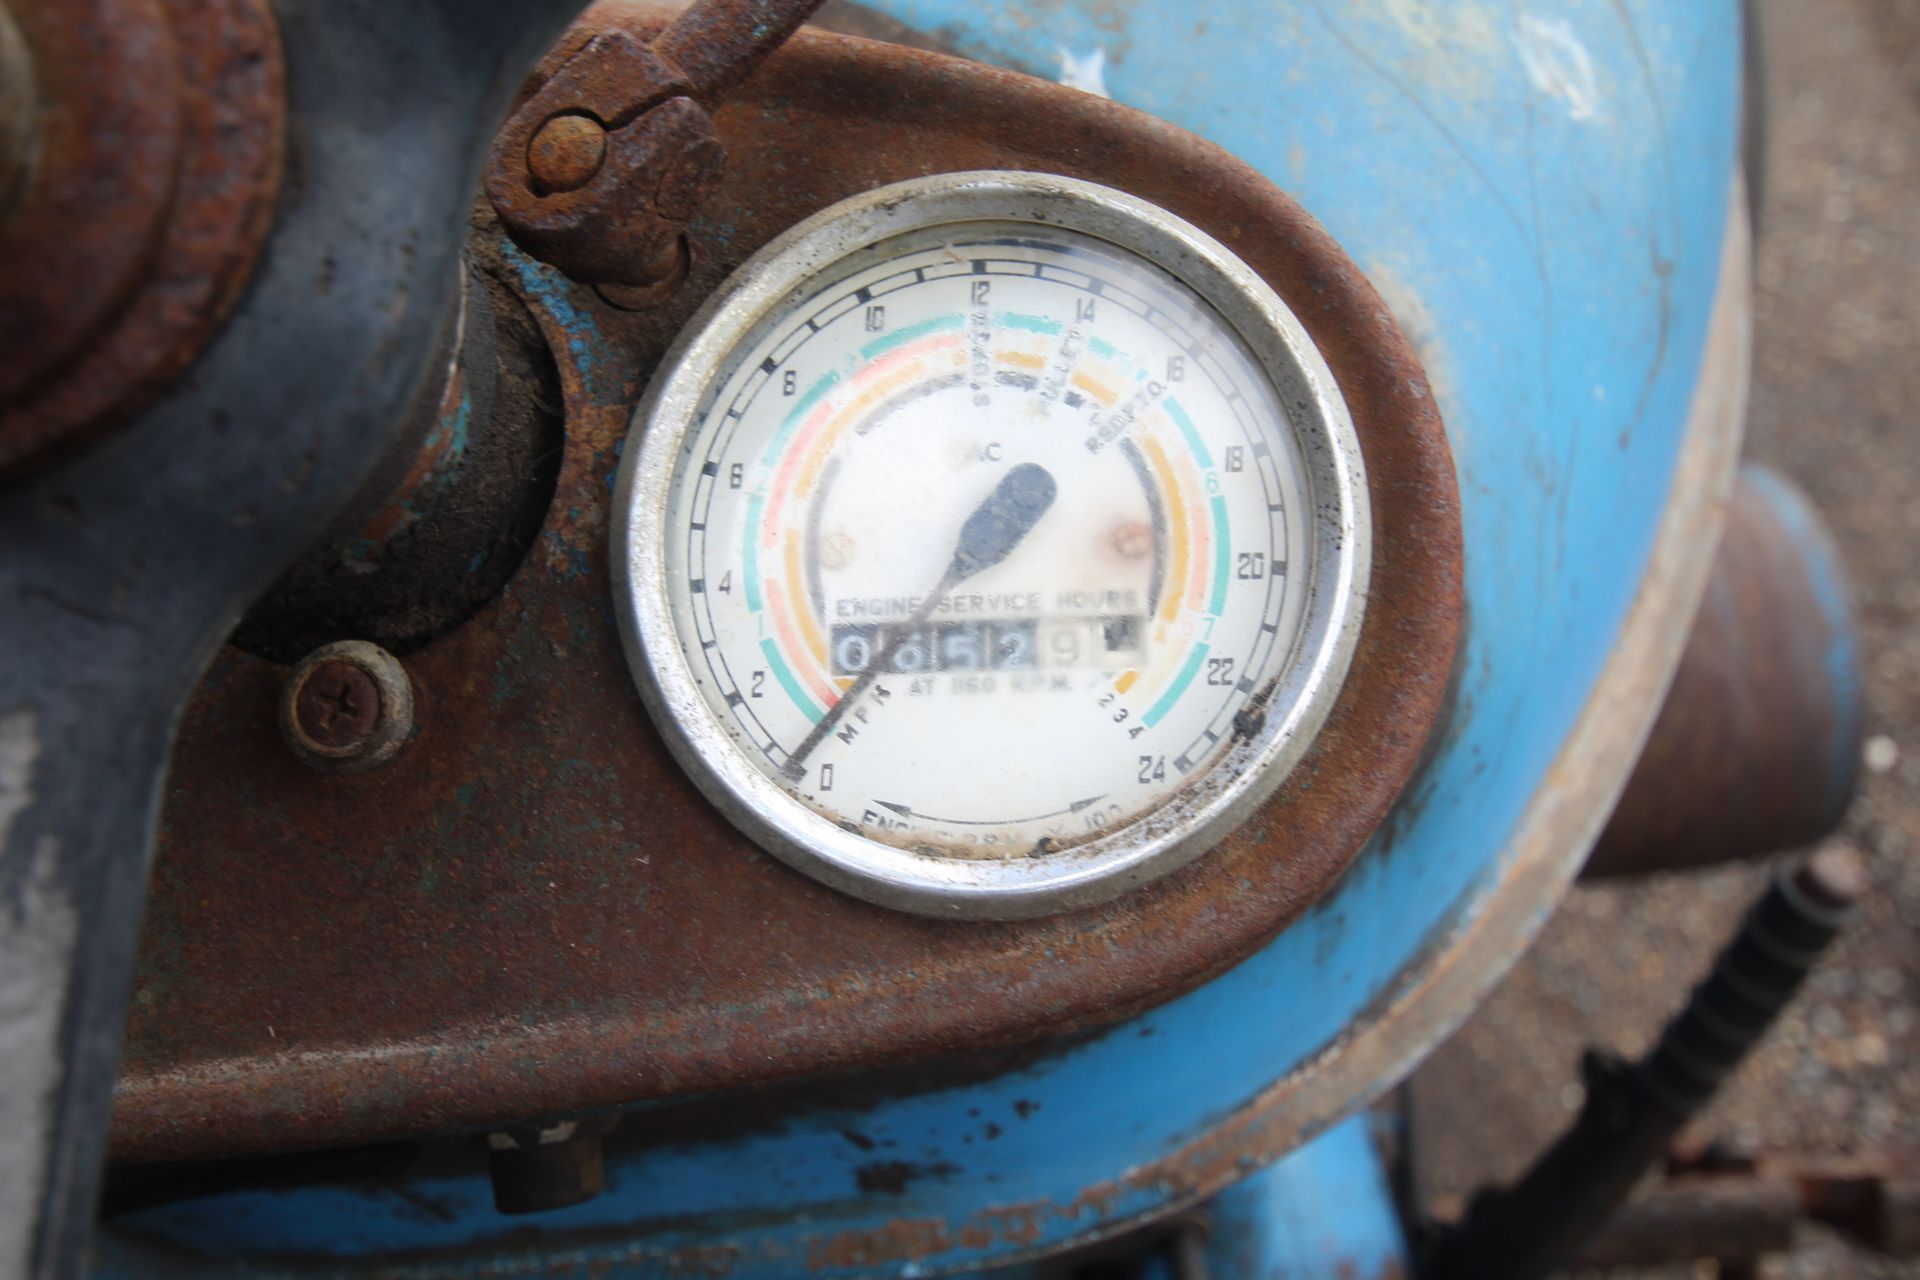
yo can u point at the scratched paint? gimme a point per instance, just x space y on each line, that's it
552 290
19 749
1567 266
1557 64
1085 71
30 963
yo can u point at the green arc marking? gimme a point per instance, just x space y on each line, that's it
1221 554
1187 429
1178 687
755 506
1221 558
1021 320
791 685
809 398
919 329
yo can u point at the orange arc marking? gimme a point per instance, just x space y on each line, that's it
826 422
850 413
1098 390
1202 535
783 625
809 626
1177 527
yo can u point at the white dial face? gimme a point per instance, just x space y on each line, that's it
989 541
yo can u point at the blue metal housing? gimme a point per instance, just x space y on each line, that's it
1540 190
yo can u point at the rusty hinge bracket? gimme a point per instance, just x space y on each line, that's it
600 171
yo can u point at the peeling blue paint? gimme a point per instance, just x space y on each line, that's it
554 292
1327 1210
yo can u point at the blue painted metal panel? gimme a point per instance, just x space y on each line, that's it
1538 187
1327 1210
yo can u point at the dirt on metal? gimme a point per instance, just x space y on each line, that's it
546 915
449 512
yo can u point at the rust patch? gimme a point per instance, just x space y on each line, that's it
1743 760
102 177
147 212
550 917
919 1239
1132 540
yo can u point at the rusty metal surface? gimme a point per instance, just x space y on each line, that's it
159 157
717 44
1757 746
1874 1198
851 18
19 112
1735 1209
450 510
546 915
107 143
1725 1218
125 564
602 168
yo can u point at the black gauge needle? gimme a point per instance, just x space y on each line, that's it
989 536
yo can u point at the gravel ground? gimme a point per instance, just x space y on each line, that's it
1836 391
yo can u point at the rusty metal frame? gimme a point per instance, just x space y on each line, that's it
418 906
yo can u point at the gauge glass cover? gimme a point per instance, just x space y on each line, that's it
991 544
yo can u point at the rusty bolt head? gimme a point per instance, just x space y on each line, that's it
346 707
566 153
338 706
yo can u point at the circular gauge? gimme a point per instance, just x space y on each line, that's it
990 544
